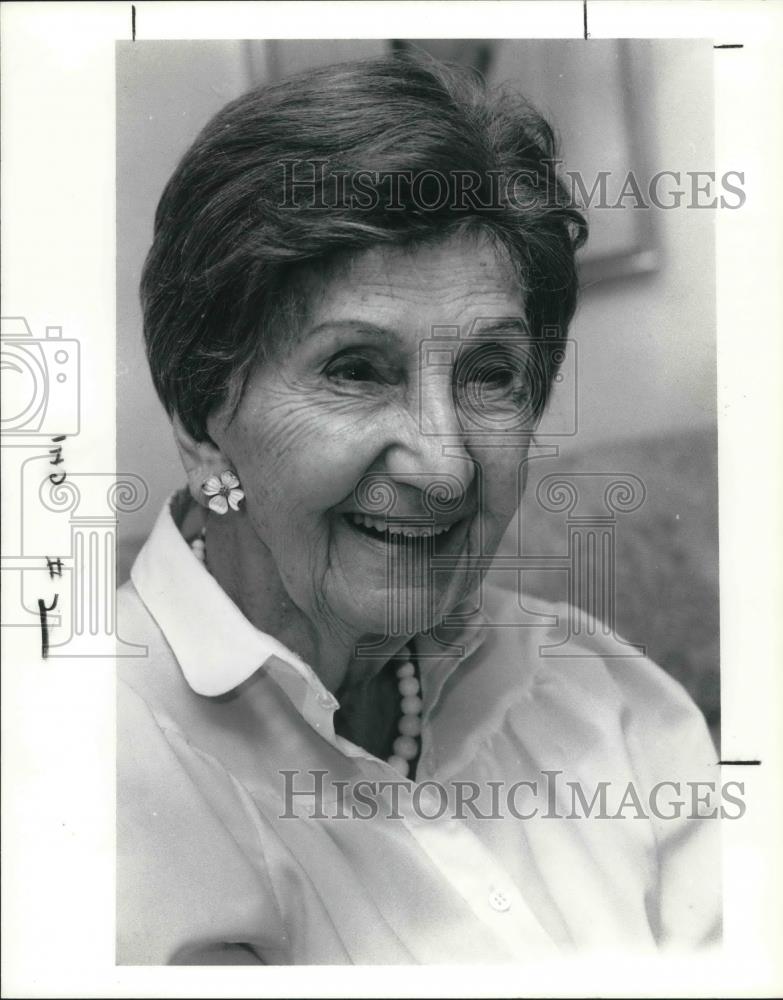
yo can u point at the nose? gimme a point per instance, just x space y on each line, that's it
429 452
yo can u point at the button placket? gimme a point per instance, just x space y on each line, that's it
499 901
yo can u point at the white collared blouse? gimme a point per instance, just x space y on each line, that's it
544 814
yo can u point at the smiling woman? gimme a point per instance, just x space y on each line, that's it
347 403
353 383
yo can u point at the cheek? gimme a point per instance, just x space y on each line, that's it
503 482
296 466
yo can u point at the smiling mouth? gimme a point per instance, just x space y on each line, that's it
397 532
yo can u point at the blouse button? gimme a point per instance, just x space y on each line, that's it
325 700
499 901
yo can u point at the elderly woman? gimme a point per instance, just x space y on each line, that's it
344 744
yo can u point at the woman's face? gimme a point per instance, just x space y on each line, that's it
379 452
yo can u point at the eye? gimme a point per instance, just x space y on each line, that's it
493 370
350 368
359 367
494 375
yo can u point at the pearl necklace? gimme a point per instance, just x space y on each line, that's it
405 748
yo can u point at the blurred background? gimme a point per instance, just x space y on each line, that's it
642 395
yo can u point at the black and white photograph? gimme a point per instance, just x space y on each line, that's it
410 599
389 713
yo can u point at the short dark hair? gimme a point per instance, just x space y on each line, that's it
232 223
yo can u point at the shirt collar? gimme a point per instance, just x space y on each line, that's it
218 648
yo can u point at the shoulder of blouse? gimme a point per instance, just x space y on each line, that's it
171 896
648 704
608 712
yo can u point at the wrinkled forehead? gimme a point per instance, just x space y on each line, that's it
466 283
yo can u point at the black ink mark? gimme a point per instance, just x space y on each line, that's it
42 610
740 763
55 567
133 21
728 46
584 17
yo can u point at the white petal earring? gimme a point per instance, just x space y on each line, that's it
224 491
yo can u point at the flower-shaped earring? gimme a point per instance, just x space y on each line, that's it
223 491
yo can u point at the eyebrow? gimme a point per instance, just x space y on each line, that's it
352 326
507 324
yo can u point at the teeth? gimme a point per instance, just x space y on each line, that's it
409 531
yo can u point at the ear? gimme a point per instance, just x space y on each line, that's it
201 460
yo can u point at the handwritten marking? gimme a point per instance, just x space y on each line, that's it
55 566
53 563
43 608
